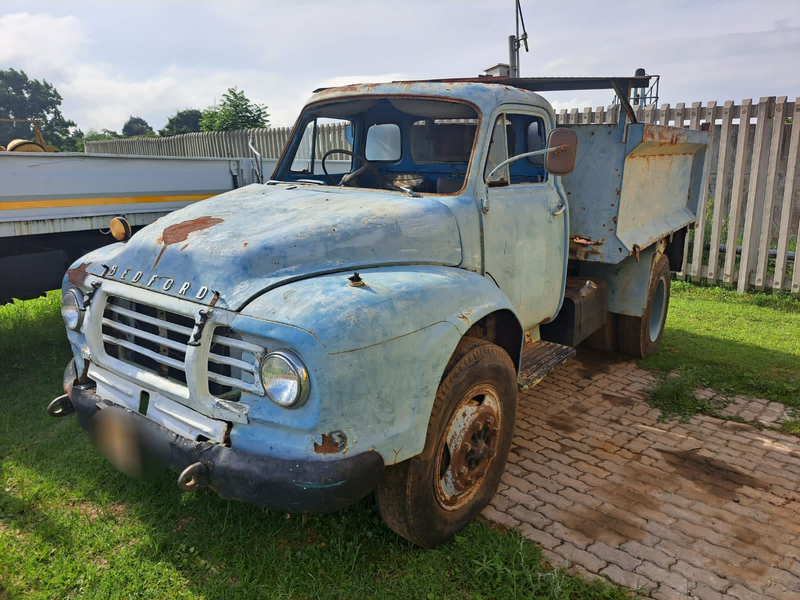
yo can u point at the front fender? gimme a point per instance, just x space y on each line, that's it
393 302
386 345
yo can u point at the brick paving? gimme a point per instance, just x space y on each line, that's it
707 510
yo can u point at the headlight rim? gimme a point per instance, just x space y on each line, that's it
300 370
81 309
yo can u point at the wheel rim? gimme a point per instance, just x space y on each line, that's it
468 447
658 310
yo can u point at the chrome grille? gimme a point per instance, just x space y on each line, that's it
233 365
156 340
147 337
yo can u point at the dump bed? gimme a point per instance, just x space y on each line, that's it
632 186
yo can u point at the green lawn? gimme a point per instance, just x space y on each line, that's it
72 527
747 344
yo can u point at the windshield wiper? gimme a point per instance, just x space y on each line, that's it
408 191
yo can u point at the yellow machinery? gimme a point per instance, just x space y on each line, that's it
25 145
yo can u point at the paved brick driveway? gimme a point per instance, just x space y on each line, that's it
706 510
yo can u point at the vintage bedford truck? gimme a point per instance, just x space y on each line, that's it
362 321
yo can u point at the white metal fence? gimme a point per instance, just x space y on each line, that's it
226 144
747 231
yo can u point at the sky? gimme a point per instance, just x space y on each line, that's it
113 59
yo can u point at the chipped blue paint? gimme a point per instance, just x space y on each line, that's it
631 192
375 357
627 281
264 236
275 261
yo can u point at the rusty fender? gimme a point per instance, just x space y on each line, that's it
383 347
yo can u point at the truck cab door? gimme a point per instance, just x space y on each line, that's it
525 222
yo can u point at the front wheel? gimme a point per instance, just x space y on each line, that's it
639 337
434 495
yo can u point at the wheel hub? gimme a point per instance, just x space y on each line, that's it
468 447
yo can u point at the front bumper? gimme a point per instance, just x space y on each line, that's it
288 485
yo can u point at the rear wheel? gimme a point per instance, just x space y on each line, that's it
434 495
641 336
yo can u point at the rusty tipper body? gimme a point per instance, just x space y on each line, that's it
362 320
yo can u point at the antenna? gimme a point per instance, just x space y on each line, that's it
515 41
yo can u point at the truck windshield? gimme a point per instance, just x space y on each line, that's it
418 145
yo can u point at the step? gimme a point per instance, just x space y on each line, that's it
541 358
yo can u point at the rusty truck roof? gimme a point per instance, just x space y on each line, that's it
487 92
484 97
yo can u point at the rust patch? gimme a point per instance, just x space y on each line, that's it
78 274
585 241
665 135
581 247
179 232
328 445
175 234
464 316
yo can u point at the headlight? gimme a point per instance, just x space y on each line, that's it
72 309
285 378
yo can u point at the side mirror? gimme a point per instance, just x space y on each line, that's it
562 160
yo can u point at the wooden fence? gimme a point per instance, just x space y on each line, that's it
747 231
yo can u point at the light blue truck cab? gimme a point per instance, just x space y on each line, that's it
362 321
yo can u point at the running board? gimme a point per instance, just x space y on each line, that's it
541 358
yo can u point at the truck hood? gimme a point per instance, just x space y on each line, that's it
245 242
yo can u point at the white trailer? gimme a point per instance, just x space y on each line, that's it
56 207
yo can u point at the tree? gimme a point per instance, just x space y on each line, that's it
74 143
234 112
136 126
93 135
104 134
183 121
23 98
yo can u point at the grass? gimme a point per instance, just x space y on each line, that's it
72 527
735 344
792 427
674 395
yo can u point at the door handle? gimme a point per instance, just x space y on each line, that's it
562 206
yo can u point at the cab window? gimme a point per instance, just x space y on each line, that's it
515 134
320 136
383 142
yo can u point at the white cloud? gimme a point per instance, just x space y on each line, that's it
278 53
40 42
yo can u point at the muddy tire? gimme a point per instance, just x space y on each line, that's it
640 336
434 495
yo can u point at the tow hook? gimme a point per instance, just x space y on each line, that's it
60 407
194 477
